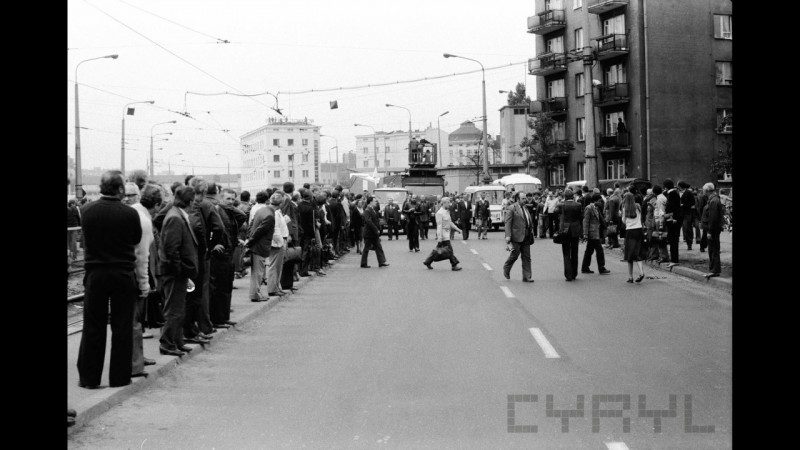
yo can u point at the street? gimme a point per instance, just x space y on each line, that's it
407 357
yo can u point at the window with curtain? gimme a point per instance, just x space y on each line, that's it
580 127
579 39
723 26
580 86
581 172
614 74
724 73
555 45
614 25
555 88
611 120
557 175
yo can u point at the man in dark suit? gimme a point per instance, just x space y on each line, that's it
178 264
687 212
259 241
465 216
455 215
222 264
519 228
674 220
712 220
111 231
412 211
372 231
700 203
570 227
424 216
391 214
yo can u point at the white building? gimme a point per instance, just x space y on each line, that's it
391 148
282 150
513 129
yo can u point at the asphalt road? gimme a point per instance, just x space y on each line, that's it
406 357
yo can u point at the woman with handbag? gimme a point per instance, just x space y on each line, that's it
632 215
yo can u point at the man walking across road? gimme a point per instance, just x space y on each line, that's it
712 220
178 264
444 228
372 231
412 211
550 214
423 217
519 228
593 228
465 216
482 216
111 231
570 212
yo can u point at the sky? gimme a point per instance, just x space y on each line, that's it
308 53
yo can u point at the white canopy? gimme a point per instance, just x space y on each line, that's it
373 177
517 178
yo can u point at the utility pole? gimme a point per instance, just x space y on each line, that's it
588 108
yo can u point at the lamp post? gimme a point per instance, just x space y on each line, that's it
487 177
439 130
169 162
374 141
229 167
151 142
126 111
78 178
409 119
337 146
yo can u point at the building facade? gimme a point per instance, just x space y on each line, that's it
282 150
391 149
513 129
663 68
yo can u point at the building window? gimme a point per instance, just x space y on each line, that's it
366 150
723 26
581 128
580 90
553 4
276 142
581 171
290 142
276 174
366 163
724 73
721 114
557 175
559 131
519 111
305 157
615 168
612 122
276 158
555 45
579 39
305 174
614 74
555 88
614 25
577 4
291 173
377 163
291 157
387 149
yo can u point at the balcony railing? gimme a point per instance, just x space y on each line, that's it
612 94
554 106
548 64
613 141
601 6
547 21
612 45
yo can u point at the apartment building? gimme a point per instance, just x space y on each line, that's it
663 68
513 129
282 150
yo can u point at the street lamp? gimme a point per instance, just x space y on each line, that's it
374 141
487 177
78 178
337 146
128 111
229 167
409 119
439 129
151 142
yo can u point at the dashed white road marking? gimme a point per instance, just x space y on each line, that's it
486 266
549 351
616 446
473 251
507 291
464 242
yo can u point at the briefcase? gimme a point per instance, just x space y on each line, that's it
441 254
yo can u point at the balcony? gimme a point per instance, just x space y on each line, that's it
548 64
611 94
612 45
547 21
602 6
554 106
607 142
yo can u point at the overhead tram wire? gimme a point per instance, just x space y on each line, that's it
220 40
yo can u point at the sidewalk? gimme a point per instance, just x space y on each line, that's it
694 264
90 403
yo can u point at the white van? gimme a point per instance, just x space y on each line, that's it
495 195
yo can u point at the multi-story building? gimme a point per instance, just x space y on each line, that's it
466 147
282 150
662 68
391 148
513 129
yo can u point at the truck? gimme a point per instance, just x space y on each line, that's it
422 177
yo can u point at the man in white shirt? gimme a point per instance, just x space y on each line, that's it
549 213
261 201
280 238
444 226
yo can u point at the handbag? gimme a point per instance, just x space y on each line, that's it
293 254
611 230
558 238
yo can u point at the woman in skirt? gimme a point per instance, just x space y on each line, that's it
632 215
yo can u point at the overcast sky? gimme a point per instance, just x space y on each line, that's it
289 48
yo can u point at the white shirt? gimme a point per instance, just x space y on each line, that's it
281 230
550 205
346 205
632 223
142 249
661 206
253 210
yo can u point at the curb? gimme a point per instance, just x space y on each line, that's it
108 397
725 284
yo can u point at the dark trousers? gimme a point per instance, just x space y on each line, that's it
308 253
593 246
423 229
137 355
688 230
221 281
373 244
413 235
335 235
173 290
553 220
238 251
524 249
703 241
445 244
287 274
393 228
673 239
569 249
465 229
102 284
198 316
154 311
714 265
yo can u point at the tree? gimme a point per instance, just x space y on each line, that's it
542 149
518 97
475 164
